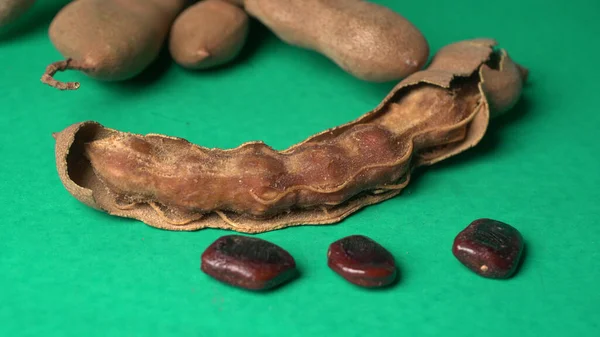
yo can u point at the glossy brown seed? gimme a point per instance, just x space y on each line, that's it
247 262
362 261
489 248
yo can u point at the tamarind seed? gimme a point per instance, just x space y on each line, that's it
208 34
489 248
11 10
362 261
247 262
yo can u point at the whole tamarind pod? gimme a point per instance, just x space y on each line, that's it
109 40
10 10
369 41
207 34
172 184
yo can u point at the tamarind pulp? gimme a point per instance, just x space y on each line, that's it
170 183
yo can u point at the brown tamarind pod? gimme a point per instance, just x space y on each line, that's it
109 40
239 3
11 10
169 183
208 34
367 40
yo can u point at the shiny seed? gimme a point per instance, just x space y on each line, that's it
248 262
362 261
489 248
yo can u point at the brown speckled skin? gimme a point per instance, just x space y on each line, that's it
11 10
367 40
247 262
113 40
172 184
489 248
208 34
362 261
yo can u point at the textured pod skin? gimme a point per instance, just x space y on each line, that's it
239 3
11 10
170 183
113 40
208 34
367 40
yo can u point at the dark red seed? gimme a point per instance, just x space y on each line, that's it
362 261
490 248
248 262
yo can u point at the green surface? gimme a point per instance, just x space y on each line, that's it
68 270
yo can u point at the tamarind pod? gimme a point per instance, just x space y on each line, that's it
109 40
169 183
208 34
239 3
367 40
11 10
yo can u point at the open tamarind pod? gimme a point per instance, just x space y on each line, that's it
109 40
208 34
172 184
10 10
367 40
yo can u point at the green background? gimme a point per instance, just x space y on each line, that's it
67 270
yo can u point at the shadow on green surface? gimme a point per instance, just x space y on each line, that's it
257 36
260 35
37 19
164 63
523 260
151 75
495 135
